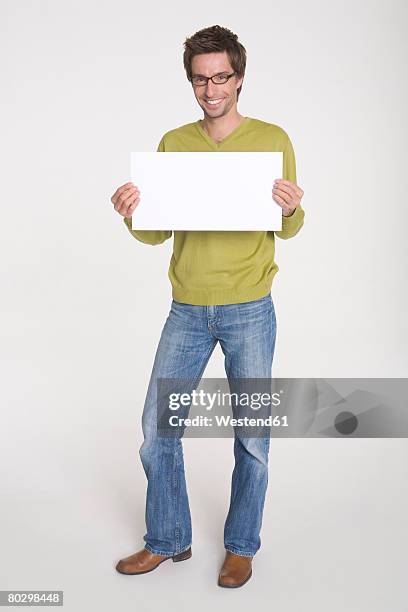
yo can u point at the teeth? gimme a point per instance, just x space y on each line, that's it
214 101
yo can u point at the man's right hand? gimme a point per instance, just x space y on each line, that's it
125 199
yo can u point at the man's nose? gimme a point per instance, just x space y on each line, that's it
210 89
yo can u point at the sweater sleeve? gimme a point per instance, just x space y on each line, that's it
152 237
292 224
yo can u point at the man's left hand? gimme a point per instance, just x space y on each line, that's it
287 195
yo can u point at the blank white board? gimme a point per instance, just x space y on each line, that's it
229 191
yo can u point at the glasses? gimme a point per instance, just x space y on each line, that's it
218 79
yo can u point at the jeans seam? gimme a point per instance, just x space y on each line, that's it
175 491
175 470
167 554
239 553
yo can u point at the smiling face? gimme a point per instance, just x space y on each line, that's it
223 97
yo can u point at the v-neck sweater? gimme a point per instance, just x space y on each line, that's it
225 267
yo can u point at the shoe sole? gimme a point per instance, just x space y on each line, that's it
187 554
234 586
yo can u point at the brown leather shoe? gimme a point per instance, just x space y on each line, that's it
236 570
144 561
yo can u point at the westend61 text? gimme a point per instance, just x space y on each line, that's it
228 421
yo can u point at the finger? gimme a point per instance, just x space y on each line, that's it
286 210
131 209
299 192
286 189
287 197
292 199
122 190
129 204
279 200
281 203
122 197
129 212
124 200
124 194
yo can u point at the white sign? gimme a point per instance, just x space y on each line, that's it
206 190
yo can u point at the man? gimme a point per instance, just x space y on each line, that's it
221 288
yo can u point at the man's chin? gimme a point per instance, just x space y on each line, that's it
217 112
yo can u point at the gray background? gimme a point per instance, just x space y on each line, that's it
83 303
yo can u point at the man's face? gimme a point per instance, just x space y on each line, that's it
209 64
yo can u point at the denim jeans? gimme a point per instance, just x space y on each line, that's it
246 332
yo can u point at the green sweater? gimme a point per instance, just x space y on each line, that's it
225 267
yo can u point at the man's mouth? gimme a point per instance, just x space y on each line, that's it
214 101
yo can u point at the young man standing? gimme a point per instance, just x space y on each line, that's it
221 288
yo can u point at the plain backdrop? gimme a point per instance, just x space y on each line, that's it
83 303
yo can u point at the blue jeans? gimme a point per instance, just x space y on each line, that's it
246 333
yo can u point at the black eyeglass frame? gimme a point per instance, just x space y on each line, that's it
212 79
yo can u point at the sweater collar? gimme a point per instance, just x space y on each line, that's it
217 146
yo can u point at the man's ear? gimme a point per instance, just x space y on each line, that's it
240 81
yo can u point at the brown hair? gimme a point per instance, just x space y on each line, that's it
215 40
